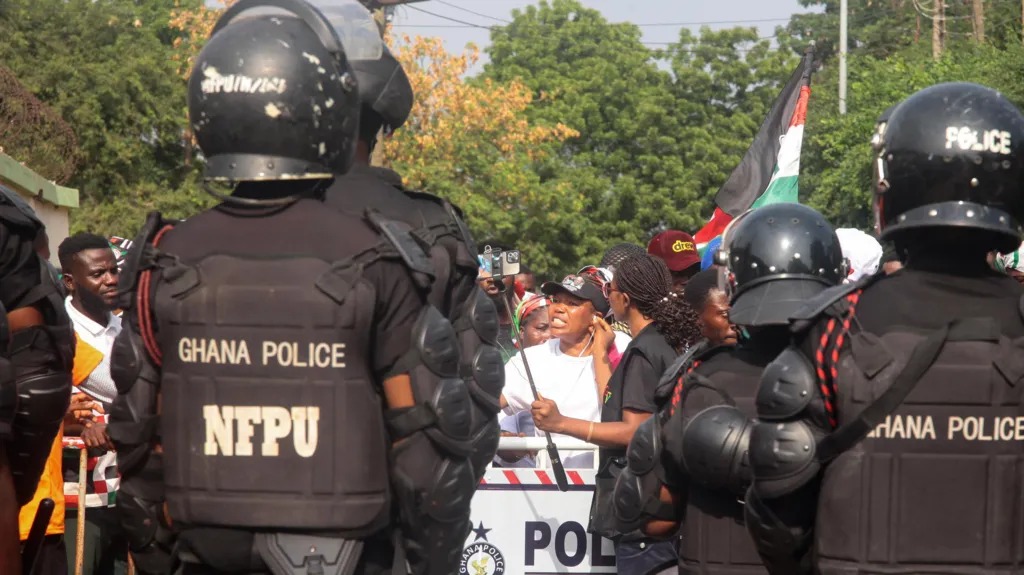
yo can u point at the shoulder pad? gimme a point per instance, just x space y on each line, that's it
456 215
676 369
417 195
387 176
699 352
787 386
22 213
824 300
401 238
140 257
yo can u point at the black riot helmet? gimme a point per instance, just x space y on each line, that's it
951 156
272 97
384 87
774 259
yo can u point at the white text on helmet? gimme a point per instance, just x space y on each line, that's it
994 141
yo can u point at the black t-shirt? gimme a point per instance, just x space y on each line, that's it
635 380
928 300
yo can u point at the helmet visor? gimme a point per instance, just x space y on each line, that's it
355 26
352 22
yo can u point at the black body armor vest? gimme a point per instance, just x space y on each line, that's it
714 538
270 417
938 486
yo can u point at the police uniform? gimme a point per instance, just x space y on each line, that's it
888 438
696 447
435 224
253 427
35 373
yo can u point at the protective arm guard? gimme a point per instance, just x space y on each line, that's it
133 426
41 357
638 488
431 475
133 429
715 443
781 501
476 326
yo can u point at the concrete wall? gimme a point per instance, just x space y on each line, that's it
51 202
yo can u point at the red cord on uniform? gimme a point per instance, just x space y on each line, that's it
677 392
828 379
142 304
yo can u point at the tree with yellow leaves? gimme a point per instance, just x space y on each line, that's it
466 140
471 142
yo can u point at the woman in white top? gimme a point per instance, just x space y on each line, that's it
563 368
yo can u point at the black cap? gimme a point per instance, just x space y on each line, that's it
579 286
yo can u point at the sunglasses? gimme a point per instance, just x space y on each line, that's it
604 275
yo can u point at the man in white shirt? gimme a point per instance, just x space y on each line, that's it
563 367
90 277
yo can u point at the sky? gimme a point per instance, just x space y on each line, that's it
659 19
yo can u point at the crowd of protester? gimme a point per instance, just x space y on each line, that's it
596 342
578 331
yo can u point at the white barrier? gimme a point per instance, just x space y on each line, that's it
523 525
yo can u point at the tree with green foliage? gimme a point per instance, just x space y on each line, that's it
654 145
106 67
887 64
600 80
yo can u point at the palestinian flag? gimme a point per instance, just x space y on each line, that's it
769 171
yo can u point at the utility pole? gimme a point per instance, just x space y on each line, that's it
843 24
979 21
937 26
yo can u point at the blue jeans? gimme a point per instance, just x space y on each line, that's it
646 557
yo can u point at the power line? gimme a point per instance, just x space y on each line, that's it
457 7
463 24
457 21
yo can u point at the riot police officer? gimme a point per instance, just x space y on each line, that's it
888 434
37 343
387 98
689 465
288 403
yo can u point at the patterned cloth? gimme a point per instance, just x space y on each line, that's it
103 478
120 246
1010 261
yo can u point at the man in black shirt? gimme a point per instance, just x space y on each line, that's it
887 429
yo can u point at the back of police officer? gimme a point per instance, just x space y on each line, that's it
288 403
774 259
890 434
36 351
387 99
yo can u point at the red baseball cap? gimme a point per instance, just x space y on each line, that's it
676 248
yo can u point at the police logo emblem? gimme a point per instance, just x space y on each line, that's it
481 558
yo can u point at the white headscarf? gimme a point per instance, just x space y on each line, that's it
862 250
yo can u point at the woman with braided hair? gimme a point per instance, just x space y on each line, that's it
660 322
